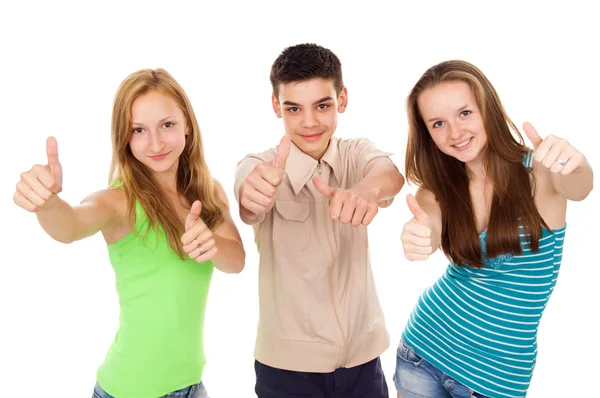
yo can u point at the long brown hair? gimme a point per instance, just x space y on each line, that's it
194 181
447 177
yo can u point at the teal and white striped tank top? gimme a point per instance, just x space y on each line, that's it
480 326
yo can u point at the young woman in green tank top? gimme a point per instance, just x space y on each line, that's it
166 223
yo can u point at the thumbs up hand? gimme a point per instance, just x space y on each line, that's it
555 153
198 241
261 184
38 187
351 206
416 234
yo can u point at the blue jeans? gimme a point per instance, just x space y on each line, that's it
417 378
195 391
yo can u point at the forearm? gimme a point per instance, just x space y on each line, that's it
385 179
59 220
574 186
230 257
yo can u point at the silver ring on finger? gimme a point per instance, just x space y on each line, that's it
562 162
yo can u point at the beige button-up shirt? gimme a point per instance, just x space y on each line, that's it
319 309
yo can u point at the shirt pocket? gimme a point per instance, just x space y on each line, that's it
291 226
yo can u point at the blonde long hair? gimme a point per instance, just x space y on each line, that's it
194 181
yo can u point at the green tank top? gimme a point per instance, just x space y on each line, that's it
159 347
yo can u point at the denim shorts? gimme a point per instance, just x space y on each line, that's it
195 391
416 378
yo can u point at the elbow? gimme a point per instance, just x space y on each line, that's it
579 196
237 266
400 181
242 262
397 180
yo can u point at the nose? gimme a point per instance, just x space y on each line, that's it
309 119
156 143
455 131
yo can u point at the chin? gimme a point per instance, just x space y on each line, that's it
159 168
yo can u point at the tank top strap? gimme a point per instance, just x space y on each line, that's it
528 159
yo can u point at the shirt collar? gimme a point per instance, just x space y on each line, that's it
300 167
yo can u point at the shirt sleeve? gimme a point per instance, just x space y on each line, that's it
362 151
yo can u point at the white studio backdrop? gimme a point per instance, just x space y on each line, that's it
61 64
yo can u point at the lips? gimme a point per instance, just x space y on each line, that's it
312 137
462 145
159 157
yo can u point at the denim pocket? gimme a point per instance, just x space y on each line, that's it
408 354
100 393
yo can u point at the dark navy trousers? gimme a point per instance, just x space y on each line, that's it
363 381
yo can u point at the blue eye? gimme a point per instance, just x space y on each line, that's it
465 113
437 124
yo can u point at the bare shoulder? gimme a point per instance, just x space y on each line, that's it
221 192
424 195
111 198
112 203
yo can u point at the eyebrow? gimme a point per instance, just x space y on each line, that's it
160 121
462 108
314 103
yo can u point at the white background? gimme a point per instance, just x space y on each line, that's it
61 64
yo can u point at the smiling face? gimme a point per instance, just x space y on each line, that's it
158 132
309 109
454 120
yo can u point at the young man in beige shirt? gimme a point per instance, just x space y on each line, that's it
321 329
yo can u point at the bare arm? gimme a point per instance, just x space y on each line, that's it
568 169
223 246
382 176
231 256
38 189
575 186
359 205
66 223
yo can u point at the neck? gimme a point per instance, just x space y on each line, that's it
476 170
167 181
318 155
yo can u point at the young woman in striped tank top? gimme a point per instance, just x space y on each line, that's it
497 210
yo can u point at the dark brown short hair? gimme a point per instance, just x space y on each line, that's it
304 62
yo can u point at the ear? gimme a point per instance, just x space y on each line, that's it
187 130
276 106
343 100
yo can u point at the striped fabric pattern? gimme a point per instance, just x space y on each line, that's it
480 326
